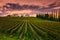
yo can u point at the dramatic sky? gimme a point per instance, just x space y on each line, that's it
32 4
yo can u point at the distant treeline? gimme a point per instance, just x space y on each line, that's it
47 17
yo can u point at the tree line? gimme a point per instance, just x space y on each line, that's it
47 17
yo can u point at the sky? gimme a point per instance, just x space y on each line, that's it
31 4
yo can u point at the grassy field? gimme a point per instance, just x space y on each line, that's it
15 28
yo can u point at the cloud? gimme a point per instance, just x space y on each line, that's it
54 4
20 7
16 6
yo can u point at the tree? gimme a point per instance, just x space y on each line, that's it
46 16
8 15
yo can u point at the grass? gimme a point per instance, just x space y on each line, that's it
25 28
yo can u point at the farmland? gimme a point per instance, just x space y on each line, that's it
25 28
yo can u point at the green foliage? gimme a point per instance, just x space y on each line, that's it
16 28
47 17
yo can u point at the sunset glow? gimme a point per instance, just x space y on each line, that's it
29 2
28 6
19 12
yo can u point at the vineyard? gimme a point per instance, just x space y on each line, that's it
16 28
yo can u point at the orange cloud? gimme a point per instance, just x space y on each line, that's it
19 12
29 2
